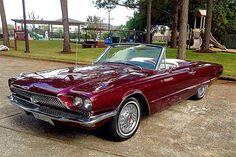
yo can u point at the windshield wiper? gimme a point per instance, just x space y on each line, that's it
117 62
126 63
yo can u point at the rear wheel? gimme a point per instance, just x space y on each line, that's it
126 122
200 92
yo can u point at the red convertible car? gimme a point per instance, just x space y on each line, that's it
126 82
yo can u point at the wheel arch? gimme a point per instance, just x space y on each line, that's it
141 98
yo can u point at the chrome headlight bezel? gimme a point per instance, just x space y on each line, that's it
83 103
88 104
78 102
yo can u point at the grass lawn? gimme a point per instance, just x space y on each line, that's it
52 50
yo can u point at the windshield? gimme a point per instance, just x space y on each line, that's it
143 56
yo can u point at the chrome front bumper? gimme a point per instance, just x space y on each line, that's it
49 114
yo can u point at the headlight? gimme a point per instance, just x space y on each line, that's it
87 104
78 101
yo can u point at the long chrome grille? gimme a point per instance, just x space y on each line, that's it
62 113
40 99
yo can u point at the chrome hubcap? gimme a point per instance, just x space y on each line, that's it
129 118
202 90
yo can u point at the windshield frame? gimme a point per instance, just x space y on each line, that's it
160 57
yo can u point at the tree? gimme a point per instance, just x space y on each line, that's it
149 22
125 3
206 38
131 4
65 20
181 54
95 24
173 40
32 16
223 18
4 25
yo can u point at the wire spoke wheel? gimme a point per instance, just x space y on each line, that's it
126 122
128 118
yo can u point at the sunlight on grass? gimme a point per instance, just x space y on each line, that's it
52 50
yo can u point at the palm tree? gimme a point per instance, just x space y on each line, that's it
149 16
206 38
65 20
183 29
4 25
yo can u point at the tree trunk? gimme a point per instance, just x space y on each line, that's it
65 20
4 25
173 40
183 29
149 16
206 38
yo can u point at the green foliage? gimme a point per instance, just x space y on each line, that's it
111 4
224 13
105 35
161 15
224 17
122 35
138 21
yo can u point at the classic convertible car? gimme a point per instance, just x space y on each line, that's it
126 82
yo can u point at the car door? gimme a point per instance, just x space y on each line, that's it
185 80
170 86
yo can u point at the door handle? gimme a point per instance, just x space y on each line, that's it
191 71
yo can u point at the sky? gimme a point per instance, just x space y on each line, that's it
77 9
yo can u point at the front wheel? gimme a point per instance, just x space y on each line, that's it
126 122
200 92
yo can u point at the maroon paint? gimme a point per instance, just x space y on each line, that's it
108 84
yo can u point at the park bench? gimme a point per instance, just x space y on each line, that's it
93 44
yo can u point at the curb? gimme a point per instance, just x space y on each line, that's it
227 78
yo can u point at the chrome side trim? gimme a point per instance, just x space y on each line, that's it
182 90
83 121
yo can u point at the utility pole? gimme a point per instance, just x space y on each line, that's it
25 29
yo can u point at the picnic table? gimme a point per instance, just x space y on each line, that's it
89 44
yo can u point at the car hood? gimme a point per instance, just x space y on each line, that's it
86 79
